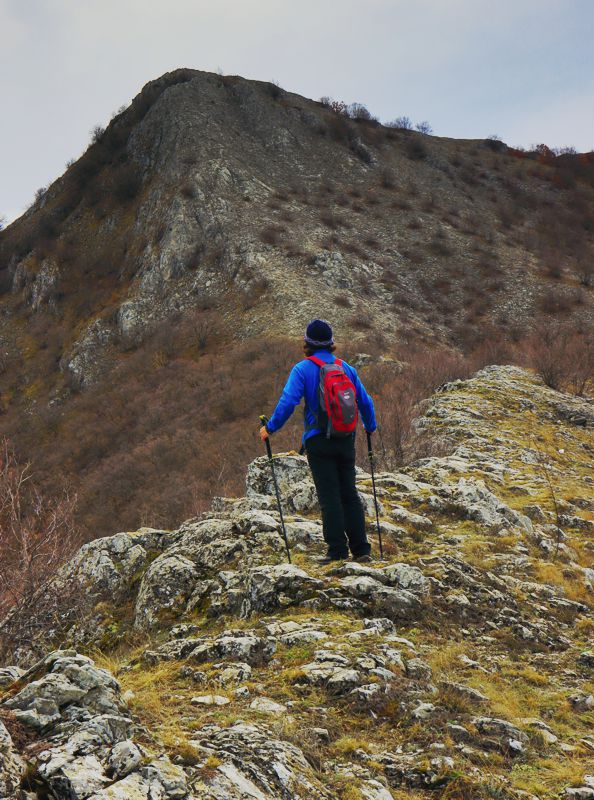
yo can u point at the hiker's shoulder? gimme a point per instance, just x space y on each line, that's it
302 366
348 367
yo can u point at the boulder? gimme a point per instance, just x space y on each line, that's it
255 764
473 499
290 470
500 728
267 706
12 766
124 758
166 586
70 680
108 567
586 659
393 603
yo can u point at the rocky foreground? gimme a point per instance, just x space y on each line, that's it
201 665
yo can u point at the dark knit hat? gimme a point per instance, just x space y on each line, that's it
319 333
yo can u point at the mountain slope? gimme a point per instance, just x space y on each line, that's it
215 211
459 667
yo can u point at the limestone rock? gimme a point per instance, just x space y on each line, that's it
267 706
107 567
210 700
493 726
12 766
9 675
586 659
167 585
394 603
257 765
477 502
124 758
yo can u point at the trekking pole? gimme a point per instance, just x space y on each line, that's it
371 460
264 420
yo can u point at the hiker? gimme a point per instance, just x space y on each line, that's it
329 439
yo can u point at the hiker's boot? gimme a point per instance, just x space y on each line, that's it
328 559
364 559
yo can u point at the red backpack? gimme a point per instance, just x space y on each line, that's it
337 396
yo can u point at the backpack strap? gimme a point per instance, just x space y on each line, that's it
318 362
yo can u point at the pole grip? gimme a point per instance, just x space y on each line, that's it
264 420
369 447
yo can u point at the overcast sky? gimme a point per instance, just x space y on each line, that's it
522 69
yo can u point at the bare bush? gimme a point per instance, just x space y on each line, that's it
97 132
275 90
398 407
338 106
585 271
343 301
553 301
563 355
126 182
388 178
273 234
424 127
359 111
331 221
36 536
200 328
416 150
401 123
188 190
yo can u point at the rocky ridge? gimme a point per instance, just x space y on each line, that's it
461 666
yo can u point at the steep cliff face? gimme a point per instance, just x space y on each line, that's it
460 666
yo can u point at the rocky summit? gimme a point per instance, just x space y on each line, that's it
201 665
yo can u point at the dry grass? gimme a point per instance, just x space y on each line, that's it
570 586
547 777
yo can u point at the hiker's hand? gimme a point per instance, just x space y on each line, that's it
264 433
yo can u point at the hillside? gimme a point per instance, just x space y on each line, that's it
196 663
201 230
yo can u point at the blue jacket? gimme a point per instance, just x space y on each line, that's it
303 382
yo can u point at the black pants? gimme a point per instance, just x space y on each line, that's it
332 462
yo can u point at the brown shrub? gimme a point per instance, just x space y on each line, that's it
332 221
388 178
355 249
562 354
343 301
126 182
555 301
439 245
273 234
361 320
188 190
416 150
37 535
399 397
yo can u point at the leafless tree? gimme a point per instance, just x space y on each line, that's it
359 111
404 123
37 535
424 127
96 133
563 355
